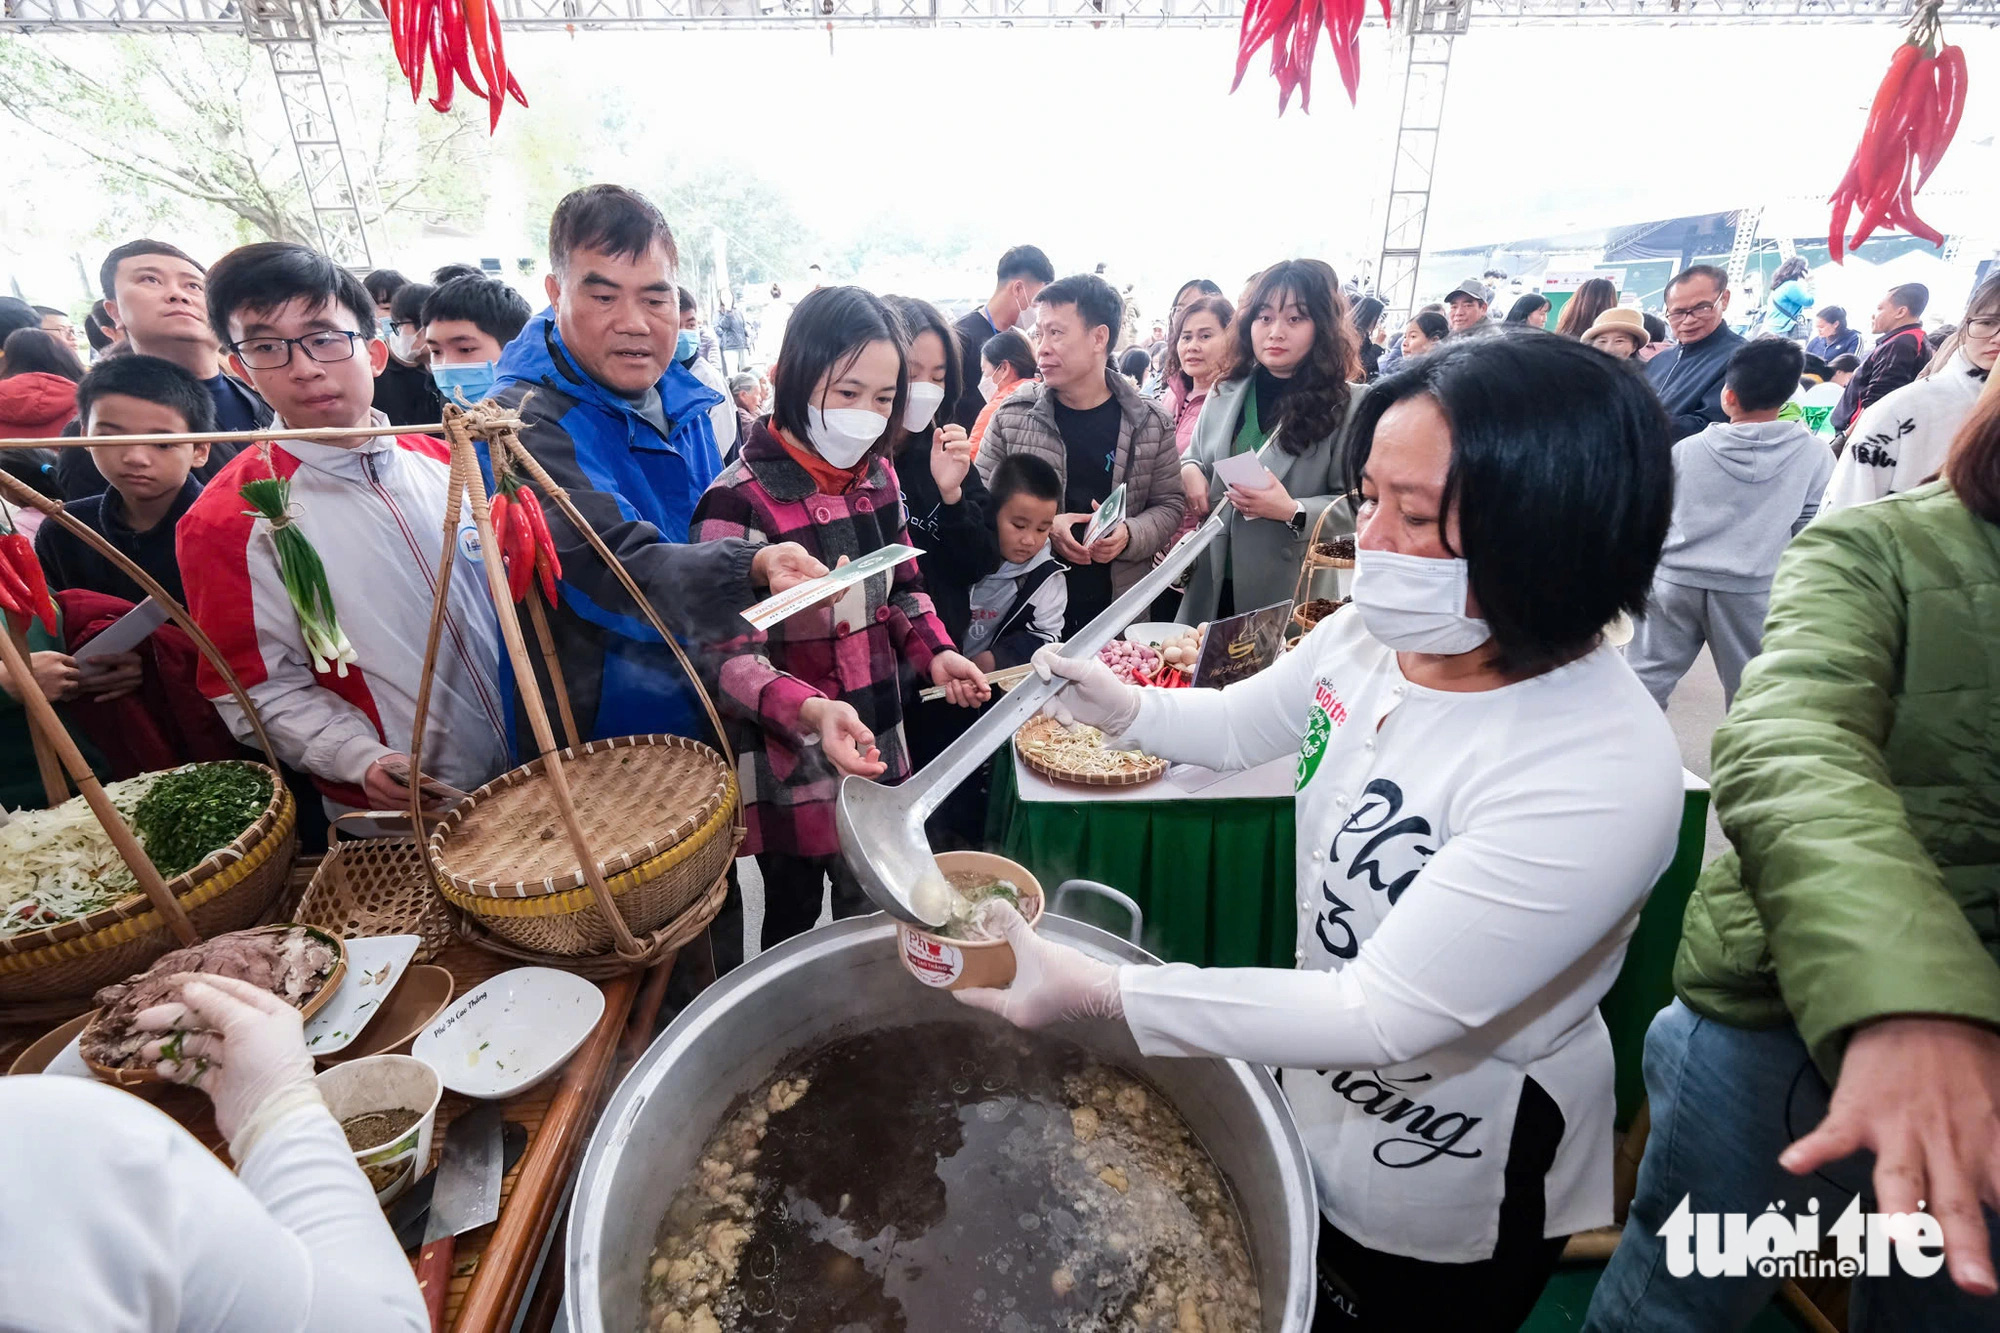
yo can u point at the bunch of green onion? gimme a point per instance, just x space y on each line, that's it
300 567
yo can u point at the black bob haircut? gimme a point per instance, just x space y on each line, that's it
1024 474
1134 364
152 378
687 301
262 277
609 218
1096 302
383 284
488 304
1846 363
920 317
1025 261
36 350
1433 325
1561 515
107 273
1009 348
446 272
1764 373
826 334
407 305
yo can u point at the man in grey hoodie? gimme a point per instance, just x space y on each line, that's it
1742 489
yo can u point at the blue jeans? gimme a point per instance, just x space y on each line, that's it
1725 1102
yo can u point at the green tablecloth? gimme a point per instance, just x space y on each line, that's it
1215 881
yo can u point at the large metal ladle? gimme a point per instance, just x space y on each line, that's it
882 828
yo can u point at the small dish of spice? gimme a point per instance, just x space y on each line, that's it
372 1129
387 1108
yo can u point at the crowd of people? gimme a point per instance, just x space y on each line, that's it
1513 490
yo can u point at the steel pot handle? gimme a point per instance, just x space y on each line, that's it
1090 888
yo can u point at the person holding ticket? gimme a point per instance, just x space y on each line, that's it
1269 440
820 695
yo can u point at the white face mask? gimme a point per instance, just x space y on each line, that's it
843 435
987 388
404 345
1416 604
922 404
1026 323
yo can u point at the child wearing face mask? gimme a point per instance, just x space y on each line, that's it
403 390
822 695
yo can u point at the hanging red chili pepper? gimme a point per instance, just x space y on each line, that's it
1911 123
1293 28
24 591
547 565
453 36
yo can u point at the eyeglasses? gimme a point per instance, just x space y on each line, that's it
326 346
1984 326
1700 310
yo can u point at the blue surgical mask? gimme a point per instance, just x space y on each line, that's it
466 384
385 328
687 344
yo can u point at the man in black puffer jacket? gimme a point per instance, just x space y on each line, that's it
1688 376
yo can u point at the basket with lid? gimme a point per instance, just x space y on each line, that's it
598 854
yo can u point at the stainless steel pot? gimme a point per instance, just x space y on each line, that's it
846 977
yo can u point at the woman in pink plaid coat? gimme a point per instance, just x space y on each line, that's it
821 695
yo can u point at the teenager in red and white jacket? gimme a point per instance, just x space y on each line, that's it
299 328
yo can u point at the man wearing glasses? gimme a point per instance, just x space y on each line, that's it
302 330
1688 376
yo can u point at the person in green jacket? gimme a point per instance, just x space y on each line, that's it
1838 981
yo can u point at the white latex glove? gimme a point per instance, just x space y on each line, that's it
238 1043
1053 983
1094 698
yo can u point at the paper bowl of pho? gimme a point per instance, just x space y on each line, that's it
966 951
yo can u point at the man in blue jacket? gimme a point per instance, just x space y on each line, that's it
1688 375
625 430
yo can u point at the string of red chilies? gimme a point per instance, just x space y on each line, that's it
1292 27
24 590
454 35
521 533
1910 124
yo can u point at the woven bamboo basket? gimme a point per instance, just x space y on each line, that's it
661 806
604 856
376 886
52 972
229 890
1303 602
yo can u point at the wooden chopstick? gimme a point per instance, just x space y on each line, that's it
999 680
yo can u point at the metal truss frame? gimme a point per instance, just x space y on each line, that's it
1427 29
226 16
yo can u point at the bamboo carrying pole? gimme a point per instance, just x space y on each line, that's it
42 717
467 486
54 785
228 436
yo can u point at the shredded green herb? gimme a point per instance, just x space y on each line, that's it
193 811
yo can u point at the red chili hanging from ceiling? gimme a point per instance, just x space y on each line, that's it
1292 27
1911 122
461 41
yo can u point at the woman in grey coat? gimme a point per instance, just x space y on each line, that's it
1287 396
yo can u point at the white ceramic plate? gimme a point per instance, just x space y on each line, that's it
69 1060
1153 633
510 1032
374 965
